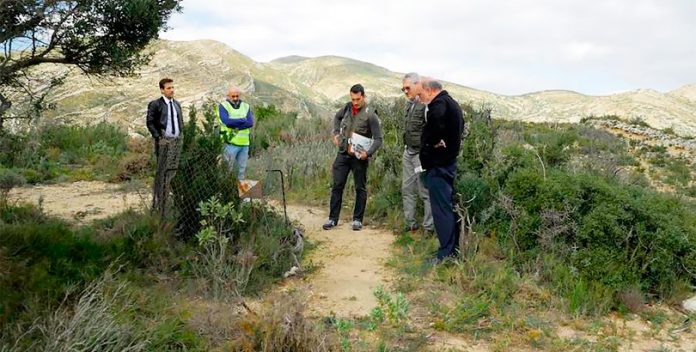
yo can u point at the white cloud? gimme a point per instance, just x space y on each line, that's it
508 47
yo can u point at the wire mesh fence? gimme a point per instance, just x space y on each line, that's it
197 175
202 174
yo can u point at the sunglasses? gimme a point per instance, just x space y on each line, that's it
405 89
234 96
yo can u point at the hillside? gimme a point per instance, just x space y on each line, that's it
312 86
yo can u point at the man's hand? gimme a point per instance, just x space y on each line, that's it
362 155
440 144
335 140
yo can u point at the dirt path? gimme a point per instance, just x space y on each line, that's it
81 201
350 264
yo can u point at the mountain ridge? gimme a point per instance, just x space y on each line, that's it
314 86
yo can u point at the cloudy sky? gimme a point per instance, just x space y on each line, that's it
507 47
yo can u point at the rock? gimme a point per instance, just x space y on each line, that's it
690 304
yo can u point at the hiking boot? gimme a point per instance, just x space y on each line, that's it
411 228
357 225
331 223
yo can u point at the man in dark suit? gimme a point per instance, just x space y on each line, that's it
165 121
440 143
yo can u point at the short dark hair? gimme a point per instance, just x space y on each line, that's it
165 81
357 88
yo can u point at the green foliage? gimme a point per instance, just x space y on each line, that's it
559 201
639 122
220 263
272 128
602 117
282 326
626 235
678 172
108 315
392 309
201 174
9 179
47 258
73 152
101 38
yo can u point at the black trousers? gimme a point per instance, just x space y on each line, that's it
344 164
440 184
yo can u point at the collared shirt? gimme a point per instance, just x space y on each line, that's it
169 131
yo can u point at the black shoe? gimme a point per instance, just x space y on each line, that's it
331 223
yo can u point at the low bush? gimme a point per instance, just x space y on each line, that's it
55 151
282 326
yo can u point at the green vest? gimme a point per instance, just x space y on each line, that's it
233 135
360 124
413 124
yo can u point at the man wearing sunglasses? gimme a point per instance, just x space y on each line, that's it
411 182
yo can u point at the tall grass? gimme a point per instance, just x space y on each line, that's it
55 151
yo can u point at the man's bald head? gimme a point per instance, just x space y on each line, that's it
431 88
234 93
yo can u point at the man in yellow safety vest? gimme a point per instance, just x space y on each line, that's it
236 121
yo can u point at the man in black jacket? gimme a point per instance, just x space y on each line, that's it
440 143
165 121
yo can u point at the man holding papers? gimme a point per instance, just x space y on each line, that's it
357 134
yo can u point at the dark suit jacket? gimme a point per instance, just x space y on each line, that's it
158 114
443 122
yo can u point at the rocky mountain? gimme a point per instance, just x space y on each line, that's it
315 86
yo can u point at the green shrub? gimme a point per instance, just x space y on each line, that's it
626 235
201 174
272 127
9 179
223 265
47 258
283 326
53 150
678 172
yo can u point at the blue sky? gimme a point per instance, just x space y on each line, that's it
507 47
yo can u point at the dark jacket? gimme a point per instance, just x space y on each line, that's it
365 122
443 121
157 115
413 124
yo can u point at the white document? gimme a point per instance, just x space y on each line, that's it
360 143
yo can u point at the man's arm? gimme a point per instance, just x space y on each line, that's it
248 122
153 113
337 125
376 130
436 120
241 124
